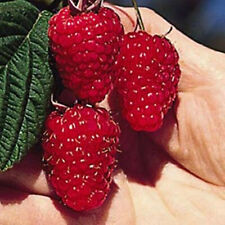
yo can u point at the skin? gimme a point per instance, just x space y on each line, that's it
172 176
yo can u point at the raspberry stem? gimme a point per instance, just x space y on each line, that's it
56 104
80 6
138 14
168 32
95 6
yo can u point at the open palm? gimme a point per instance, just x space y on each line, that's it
172 176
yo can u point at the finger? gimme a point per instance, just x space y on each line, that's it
120 198
185 134
28 175
25 187
18 207
194 134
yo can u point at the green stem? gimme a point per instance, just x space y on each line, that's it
138 13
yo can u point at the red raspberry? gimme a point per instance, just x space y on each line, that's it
85 47
147 79
79 148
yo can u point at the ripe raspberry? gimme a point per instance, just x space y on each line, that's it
79 148
85 47
147 79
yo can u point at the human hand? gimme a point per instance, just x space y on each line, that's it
156 188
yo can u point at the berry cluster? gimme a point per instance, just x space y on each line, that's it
80 142
92 55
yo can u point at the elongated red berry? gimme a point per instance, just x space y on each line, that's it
147 79
85 47
80 147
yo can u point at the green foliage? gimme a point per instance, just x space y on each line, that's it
25 78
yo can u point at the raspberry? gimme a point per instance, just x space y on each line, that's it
85 47
79 148
147 79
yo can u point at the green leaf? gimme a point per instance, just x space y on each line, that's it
25 78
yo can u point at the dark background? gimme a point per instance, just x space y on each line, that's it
202 20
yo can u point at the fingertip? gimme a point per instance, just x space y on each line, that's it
119 208
119 178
